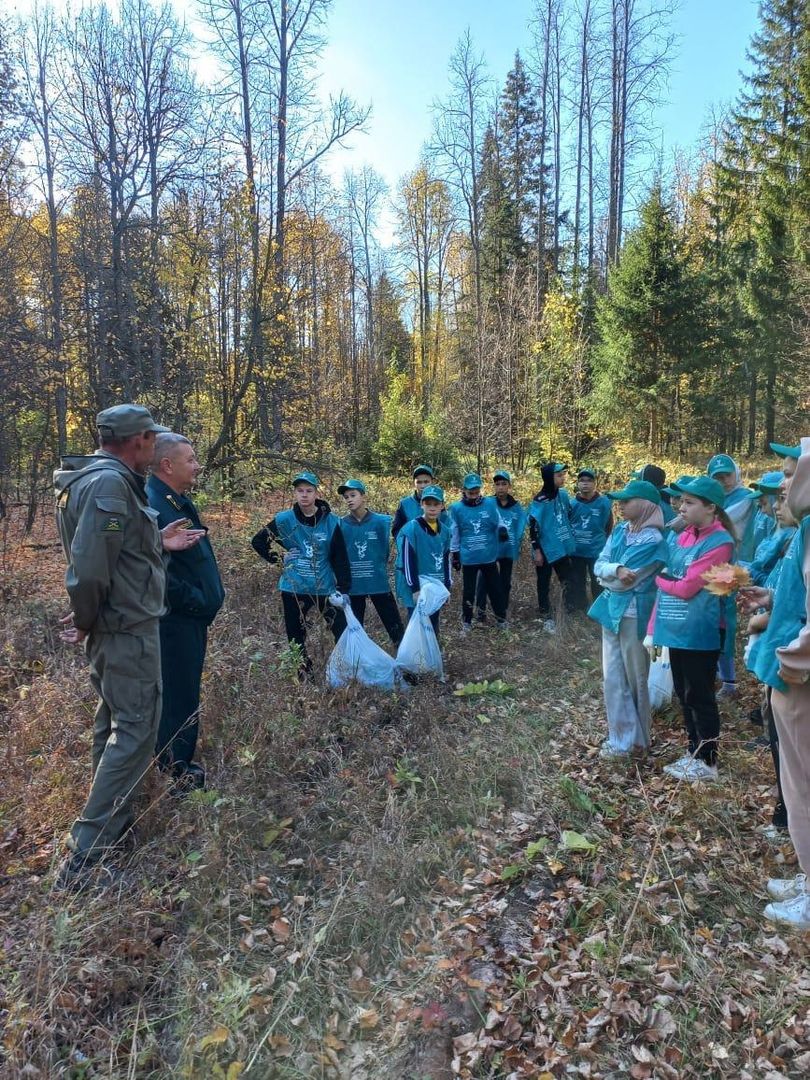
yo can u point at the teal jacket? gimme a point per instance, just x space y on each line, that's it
590 524
645 552
368 544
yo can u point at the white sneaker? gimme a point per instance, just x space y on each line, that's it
675 768
608 751
693 771
550 626
796 911
466 628
787 888
503 625
728 691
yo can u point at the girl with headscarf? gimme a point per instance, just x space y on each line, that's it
635 551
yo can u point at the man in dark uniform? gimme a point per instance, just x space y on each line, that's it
194 596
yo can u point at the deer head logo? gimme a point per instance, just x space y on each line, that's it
361 548
309 550
476 527
438 562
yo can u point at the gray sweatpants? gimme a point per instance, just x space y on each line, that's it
625 667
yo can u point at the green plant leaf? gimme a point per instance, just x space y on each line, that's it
574 841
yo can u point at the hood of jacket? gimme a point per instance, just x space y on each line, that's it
549 489
508 503
798 498
77 466
322 508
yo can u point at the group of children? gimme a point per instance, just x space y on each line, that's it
479 536
656 594
646 577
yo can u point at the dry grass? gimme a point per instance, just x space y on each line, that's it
294 920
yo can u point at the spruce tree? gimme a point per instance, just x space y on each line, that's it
647 329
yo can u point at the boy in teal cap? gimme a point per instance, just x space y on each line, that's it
315 562
477 532
426 548
591 517
409 509
513 517
368 542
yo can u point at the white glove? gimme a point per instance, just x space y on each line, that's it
338 599
648 642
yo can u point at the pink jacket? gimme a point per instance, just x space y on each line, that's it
692 582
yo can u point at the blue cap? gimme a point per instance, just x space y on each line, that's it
306 478
786 451
502 474
705 488
422 470
591 473
471 480
559 467
433 491
352 485
770 483
721 463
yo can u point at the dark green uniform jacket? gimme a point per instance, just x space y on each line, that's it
115 577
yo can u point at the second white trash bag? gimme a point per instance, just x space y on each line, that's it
356 658
659 681
419 652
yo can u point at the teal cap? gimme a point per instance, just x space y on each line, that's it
637 489
675 488
306 478
721 463
122 421
352 485
706 488
471 480
433 491
503 474
786 451
423 470
587 472
770 483
560 467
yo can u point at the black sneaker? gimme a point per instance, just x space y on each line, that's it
756 743
187 776
78 871
755 717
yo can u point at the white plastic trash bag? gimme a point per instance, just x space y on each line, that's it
659 681
419 652
356 658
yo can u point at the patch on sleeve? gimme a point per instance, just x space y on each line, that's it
172 501
112 525
63 499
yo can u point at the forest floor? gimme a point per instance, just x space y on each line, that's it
413 886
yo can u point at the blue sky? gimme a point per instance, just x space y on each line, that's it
394 55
